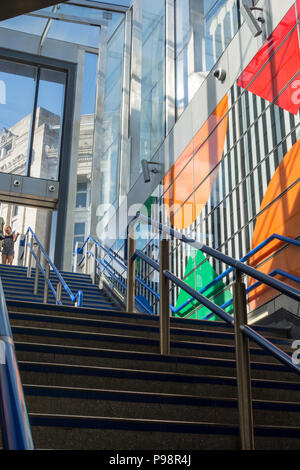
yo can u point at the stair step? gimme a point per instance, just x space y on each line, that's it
77 323
135 318
66 375
88 299
64 354
129 342
137 434
119 403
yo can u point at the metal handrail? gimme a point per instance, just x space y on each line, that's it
242 331
15 423
76 298
235 264
275 236
273 273
111 253
259 247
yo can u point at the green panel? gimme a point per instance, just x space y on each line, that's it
198 279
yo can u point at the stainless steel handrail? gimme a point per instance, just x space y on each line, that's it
15 423
242 331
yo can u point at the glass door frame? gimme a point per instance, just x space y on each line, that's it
57 198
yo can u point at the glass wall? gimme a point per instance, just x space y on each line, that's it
112 117
237 182
18 84
204 29
44 159
153 77
32 107
86 146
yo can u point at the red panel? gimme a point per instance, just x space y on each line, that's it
272 43
290 98
276 68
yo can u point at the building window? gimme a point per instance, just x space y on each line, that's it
81 195
15 211
79 233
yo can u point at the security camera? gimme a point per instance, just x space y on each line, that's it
51 189
146 171
250 19
17 183
220 74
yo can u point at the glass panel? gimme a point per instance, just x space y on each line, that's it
110 161
82 187
17 89
81 200
79 228
75 33
153 77
89 84
48 125
112 18
86 136
112 117
26 24
203 31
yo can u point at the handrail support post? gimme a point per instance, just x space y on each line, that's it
47 270
164 303
36 276
130 298
30 258
58 292
243 364
86 265
94 264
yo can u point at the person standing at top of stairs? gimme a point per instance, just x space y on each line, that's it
8 245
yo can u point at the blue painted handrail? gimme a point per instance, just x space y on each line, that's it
249 332
287 240
78 297
259 247
15 423
275 272
106 267
233 263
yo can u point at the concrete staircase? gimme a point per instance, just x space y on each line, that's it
17 286
94 379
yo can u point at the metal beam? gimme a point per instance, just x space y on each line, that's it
19 7
69 18
99 5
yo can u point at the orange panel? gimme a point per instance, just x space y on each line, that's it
207 147
283 218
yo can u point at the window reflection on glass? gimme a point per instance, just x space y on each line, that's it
204 29
153 77
82 195
17 89
48 125
110 168
112 117
79 233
